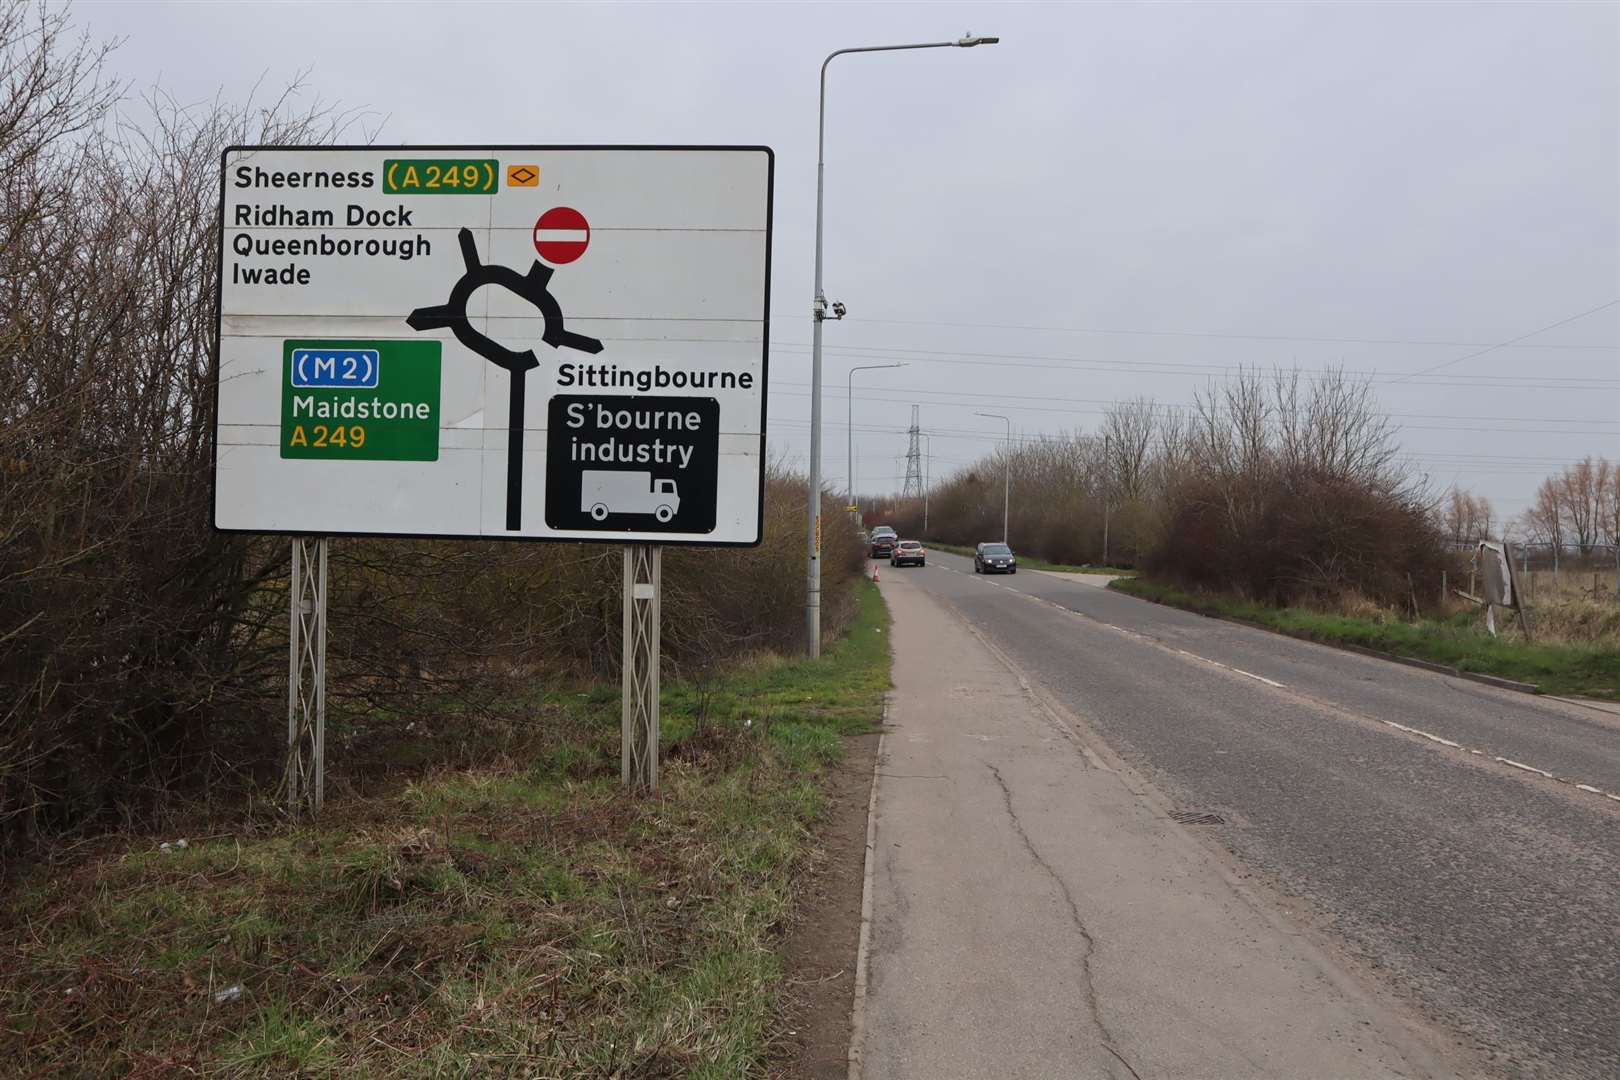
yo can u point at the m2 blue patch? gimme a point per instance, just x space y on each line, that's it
348 368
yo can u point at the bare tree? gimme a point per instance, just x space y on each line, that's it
1349 437
52 87
1545 518
1582 487
1294 489
1128 435
143 655
1467 518
1609 501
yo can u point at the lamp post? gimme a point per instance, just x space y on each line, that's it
928 478
1107 493
849 400
818 312
1006 474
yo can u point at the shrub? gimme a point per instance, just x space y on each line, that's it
142 655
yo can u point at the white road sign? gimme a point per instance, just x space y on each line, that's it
563 343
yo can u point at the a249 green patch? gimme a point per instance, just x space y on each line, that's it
360 400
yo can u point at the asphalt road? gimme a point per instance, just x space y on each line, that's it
1393 810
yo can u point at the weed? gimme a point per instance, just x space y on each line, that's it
1457 640
517 919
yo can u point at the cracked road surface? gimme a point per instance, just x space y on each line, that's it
1455 844
1036 914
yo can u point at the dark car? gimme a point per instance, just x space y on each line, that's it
909 553
994 559
883 539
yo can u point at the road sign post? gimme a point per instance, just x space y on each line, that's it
562 343
638 735
304 779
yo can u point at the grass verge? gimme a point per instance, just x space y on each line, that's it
525 919
1030 563
1587 670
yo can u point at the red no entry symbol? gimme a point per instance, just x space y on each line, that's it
561 235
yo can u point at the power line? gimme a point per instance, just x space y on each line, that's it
1186 367
1181 405
1222 336
946 397
1180 367
1446 459
1506 344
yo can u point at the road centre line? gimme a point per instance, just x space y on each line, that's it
1526 768
1236 671
1141 637
1588 788
1430 736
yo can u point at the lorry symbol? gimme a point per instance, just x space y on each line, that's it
603 492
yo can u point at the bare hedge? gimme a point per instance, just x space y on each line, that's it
142 656
1284 489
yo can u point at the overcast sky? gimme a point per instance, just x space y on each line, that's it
1117 200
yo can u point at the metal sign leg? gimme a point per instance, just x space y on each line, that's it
305 776
638 750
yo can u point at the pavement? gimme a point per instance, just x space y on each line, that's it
1036 912
1401 874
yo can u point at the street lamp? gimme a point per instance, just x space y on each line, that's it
818 312
928 474
1108 490
1006 476
849 400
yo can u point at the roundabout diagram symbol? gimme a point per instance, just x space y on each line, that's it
453 315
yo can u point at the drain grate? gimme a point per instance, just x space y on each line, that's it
1196 817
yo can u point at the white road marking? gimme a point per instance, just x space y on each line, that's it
1430 736
1526 768
1258 678
1233 670
1123 630
1427 735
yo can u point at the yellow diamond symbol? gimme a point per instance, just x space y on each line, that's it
522 175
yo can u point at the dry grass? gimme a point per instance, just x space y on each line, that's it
1563 611
1569 608
1577 620
521 920
1557 660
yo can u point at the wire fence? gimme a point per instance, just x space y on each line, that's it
1548 570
